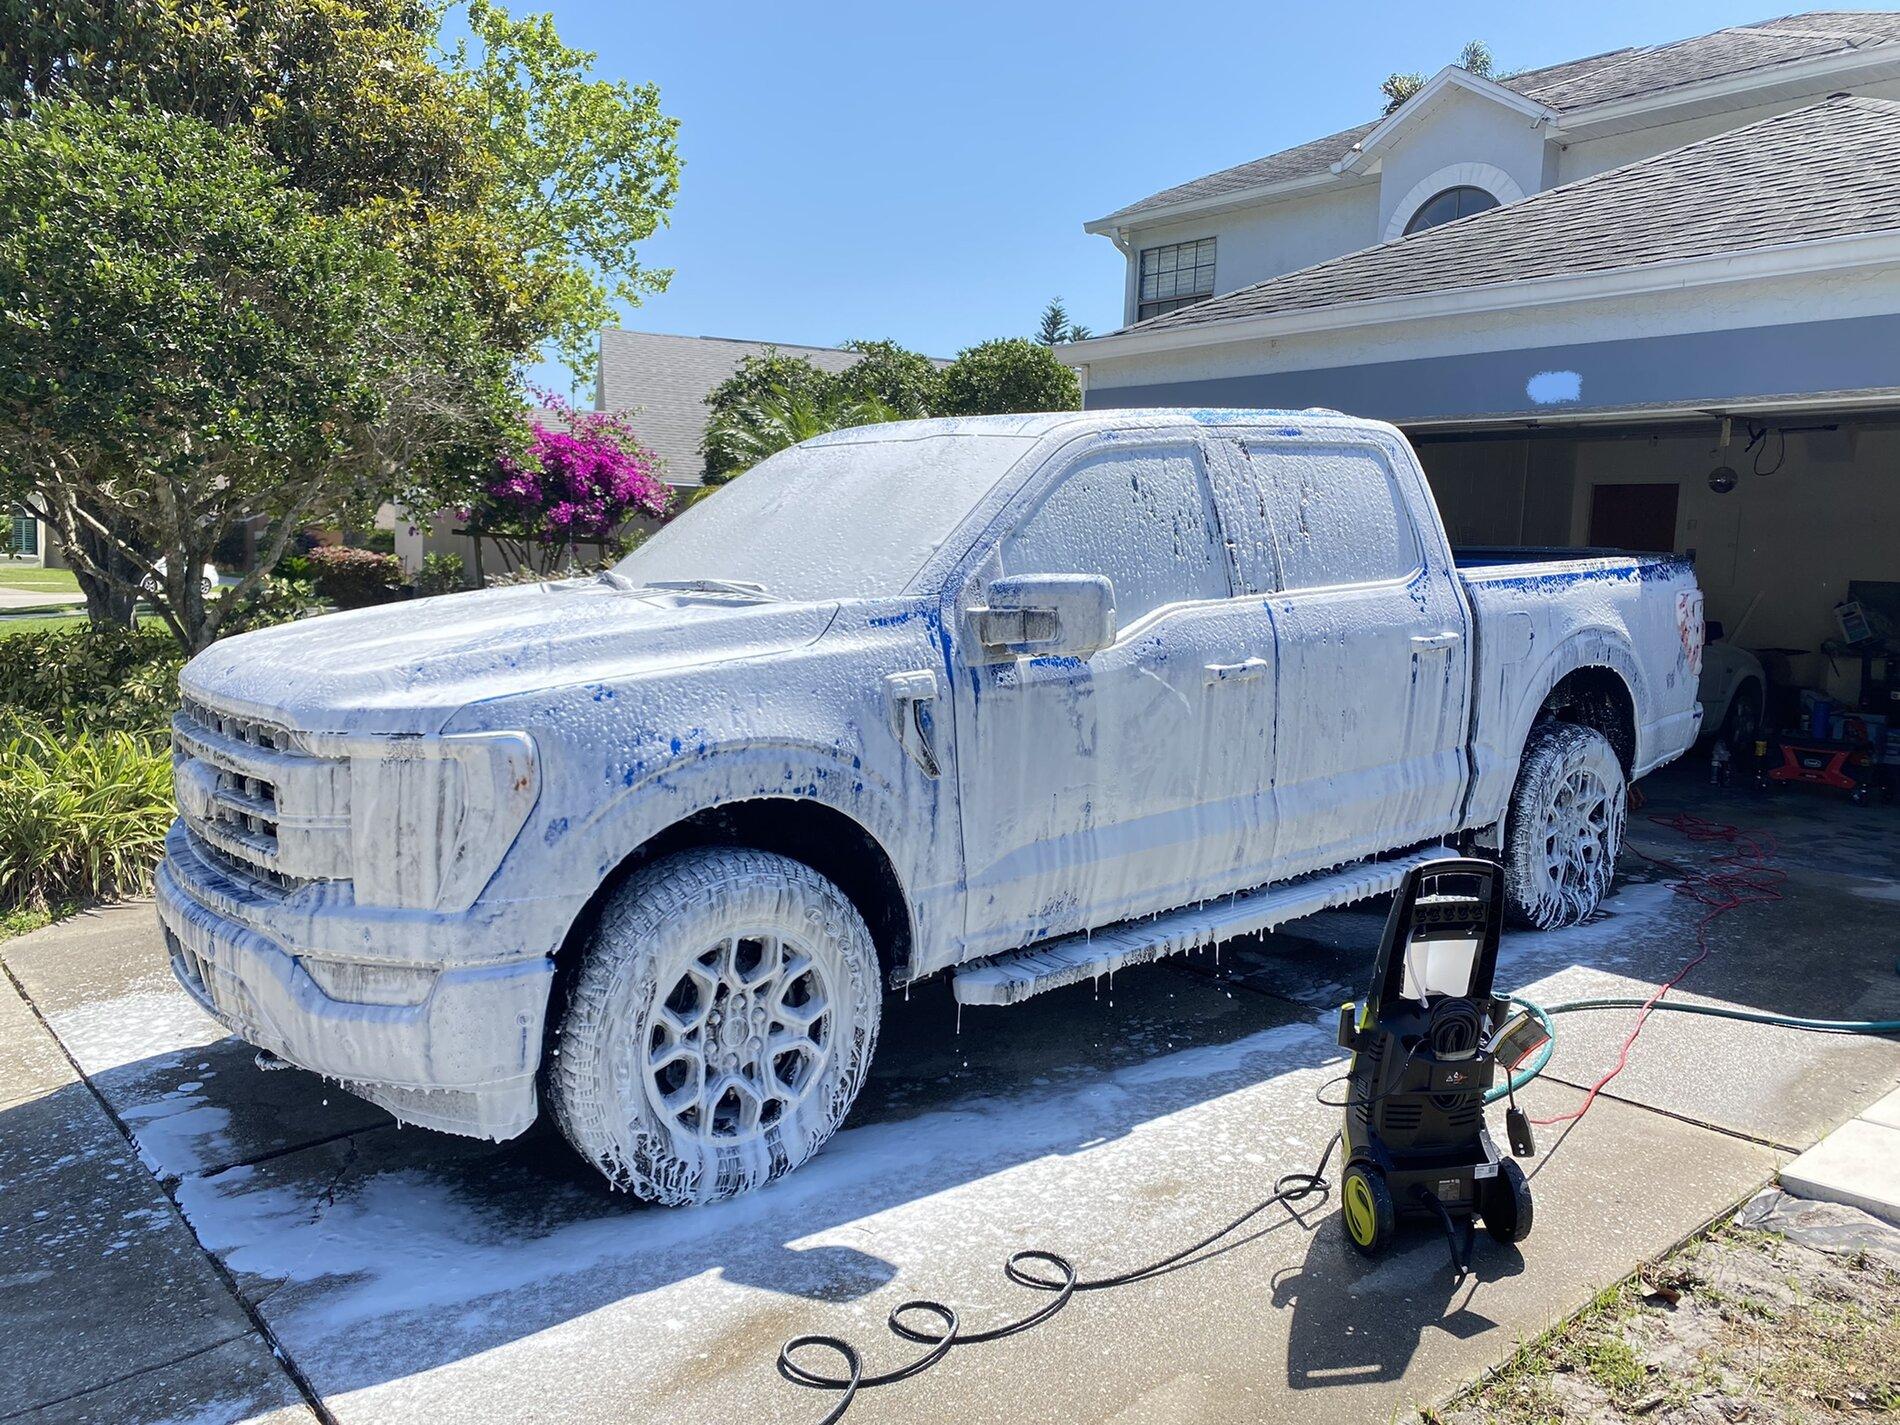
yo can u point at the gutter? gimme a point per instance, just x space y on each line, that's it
1754 264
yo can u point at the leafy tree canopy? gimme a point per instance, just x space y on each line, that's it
892 376
741 403
188 342
501 159
1010 375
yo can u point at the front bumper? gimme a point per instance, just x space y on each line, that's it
462 1058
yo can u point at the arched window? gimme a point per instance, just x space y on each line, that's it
1460 202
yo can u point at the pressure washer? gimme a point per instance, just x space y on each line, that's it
1427 1047
1426 1044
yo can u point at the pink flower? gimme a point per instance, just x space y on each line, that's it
577 483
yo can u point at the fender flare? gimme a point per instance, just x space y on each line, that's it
671 792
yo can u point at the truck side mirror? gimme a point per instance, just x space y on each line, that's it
1045 615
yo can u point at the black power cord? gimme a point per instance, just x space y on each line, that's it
1064 1285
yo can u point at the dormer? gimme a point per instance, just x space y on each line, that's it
1460 145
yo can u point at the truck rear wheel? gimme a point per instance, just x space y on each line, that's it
1564 829
719 1026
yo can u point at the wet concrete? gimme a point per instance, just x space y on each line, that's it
412 1276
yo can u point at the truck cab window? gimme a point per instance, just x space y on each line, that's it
1337 515
1141 517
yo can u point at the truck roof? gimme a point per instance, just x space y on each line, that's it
1044 423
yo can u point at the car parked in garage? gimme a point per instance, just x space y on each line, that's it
1019 699
1732 690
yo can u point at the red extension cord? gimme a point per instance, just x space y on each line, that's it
1745 874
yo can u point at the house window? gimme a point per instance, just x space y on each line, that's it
1460 202
1178 275
23 538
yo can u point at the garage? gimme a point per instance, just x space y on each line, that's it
1697 352
1788 514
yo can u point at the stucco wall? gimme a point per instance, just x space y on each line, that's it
1460 130
1254 244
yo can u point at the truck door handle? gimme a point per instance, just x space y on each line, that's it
1236 672
1425 642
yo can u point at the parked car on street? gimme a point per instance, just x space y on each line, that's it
1014 699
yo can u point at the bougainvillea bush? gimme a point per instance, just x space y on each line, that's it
564 497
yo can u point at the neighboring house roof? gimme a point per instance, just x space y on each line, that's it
663 382
1624 74
1830 170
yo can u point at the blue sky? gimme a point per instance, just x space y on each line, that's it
922 171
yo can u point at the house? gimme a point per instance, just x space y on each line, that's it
1646 299
662 382
26 536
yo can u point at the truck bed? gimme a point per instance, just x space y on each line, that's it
1537 613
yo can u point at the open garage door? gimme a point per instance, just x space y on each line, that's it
1792 517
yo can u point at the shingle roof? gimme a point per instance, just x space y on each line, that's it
1579 83
664 380
1829 170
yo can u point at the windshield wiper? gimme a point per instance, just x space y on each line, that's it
710 586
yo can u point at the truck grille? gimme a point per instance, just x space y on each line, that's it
256 805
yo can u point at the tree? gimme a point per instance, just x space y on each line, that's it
736 403
1056 327
1474 58
1006 376
888 373
779 418
189 344
500 160
577 482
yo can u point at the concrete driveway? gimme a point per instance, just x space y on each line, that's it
183 1236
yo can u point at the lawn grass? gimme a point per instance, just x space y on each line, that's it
32 622
67 619
33 578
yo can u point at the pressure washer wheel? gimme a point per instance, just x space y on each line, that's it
1365 1204
1505 1203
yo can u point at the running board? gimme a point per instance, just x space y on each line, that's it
1018 974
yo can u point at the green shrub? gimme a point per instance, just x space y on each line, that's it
441 574
355 578
92 679
277 600
1006 377
83 816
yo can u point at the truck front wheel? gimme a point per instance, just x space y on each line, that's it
1564 829
718 1027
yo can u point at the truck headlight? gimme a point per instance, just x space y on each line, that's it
431 817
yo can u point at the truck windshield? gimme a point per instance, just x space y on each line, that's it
836 520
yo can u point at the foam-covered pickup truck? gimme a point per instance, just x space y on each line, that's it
1019 700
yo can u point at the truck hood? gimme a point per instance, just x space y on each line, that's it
409 667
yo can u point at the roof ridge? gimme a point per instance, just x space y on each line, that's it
734 340
1543 197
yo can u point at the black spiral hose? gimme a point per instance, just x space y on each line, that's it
1063 1286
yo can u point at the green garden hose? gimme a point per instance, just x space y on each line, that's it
1543 1013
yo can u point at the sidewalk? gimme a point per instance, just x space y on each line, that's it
169 1214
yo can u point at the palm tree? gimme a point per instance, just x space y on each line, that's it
781 418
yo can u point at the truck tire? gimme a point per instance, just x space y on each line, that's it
1564 829
718 1027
